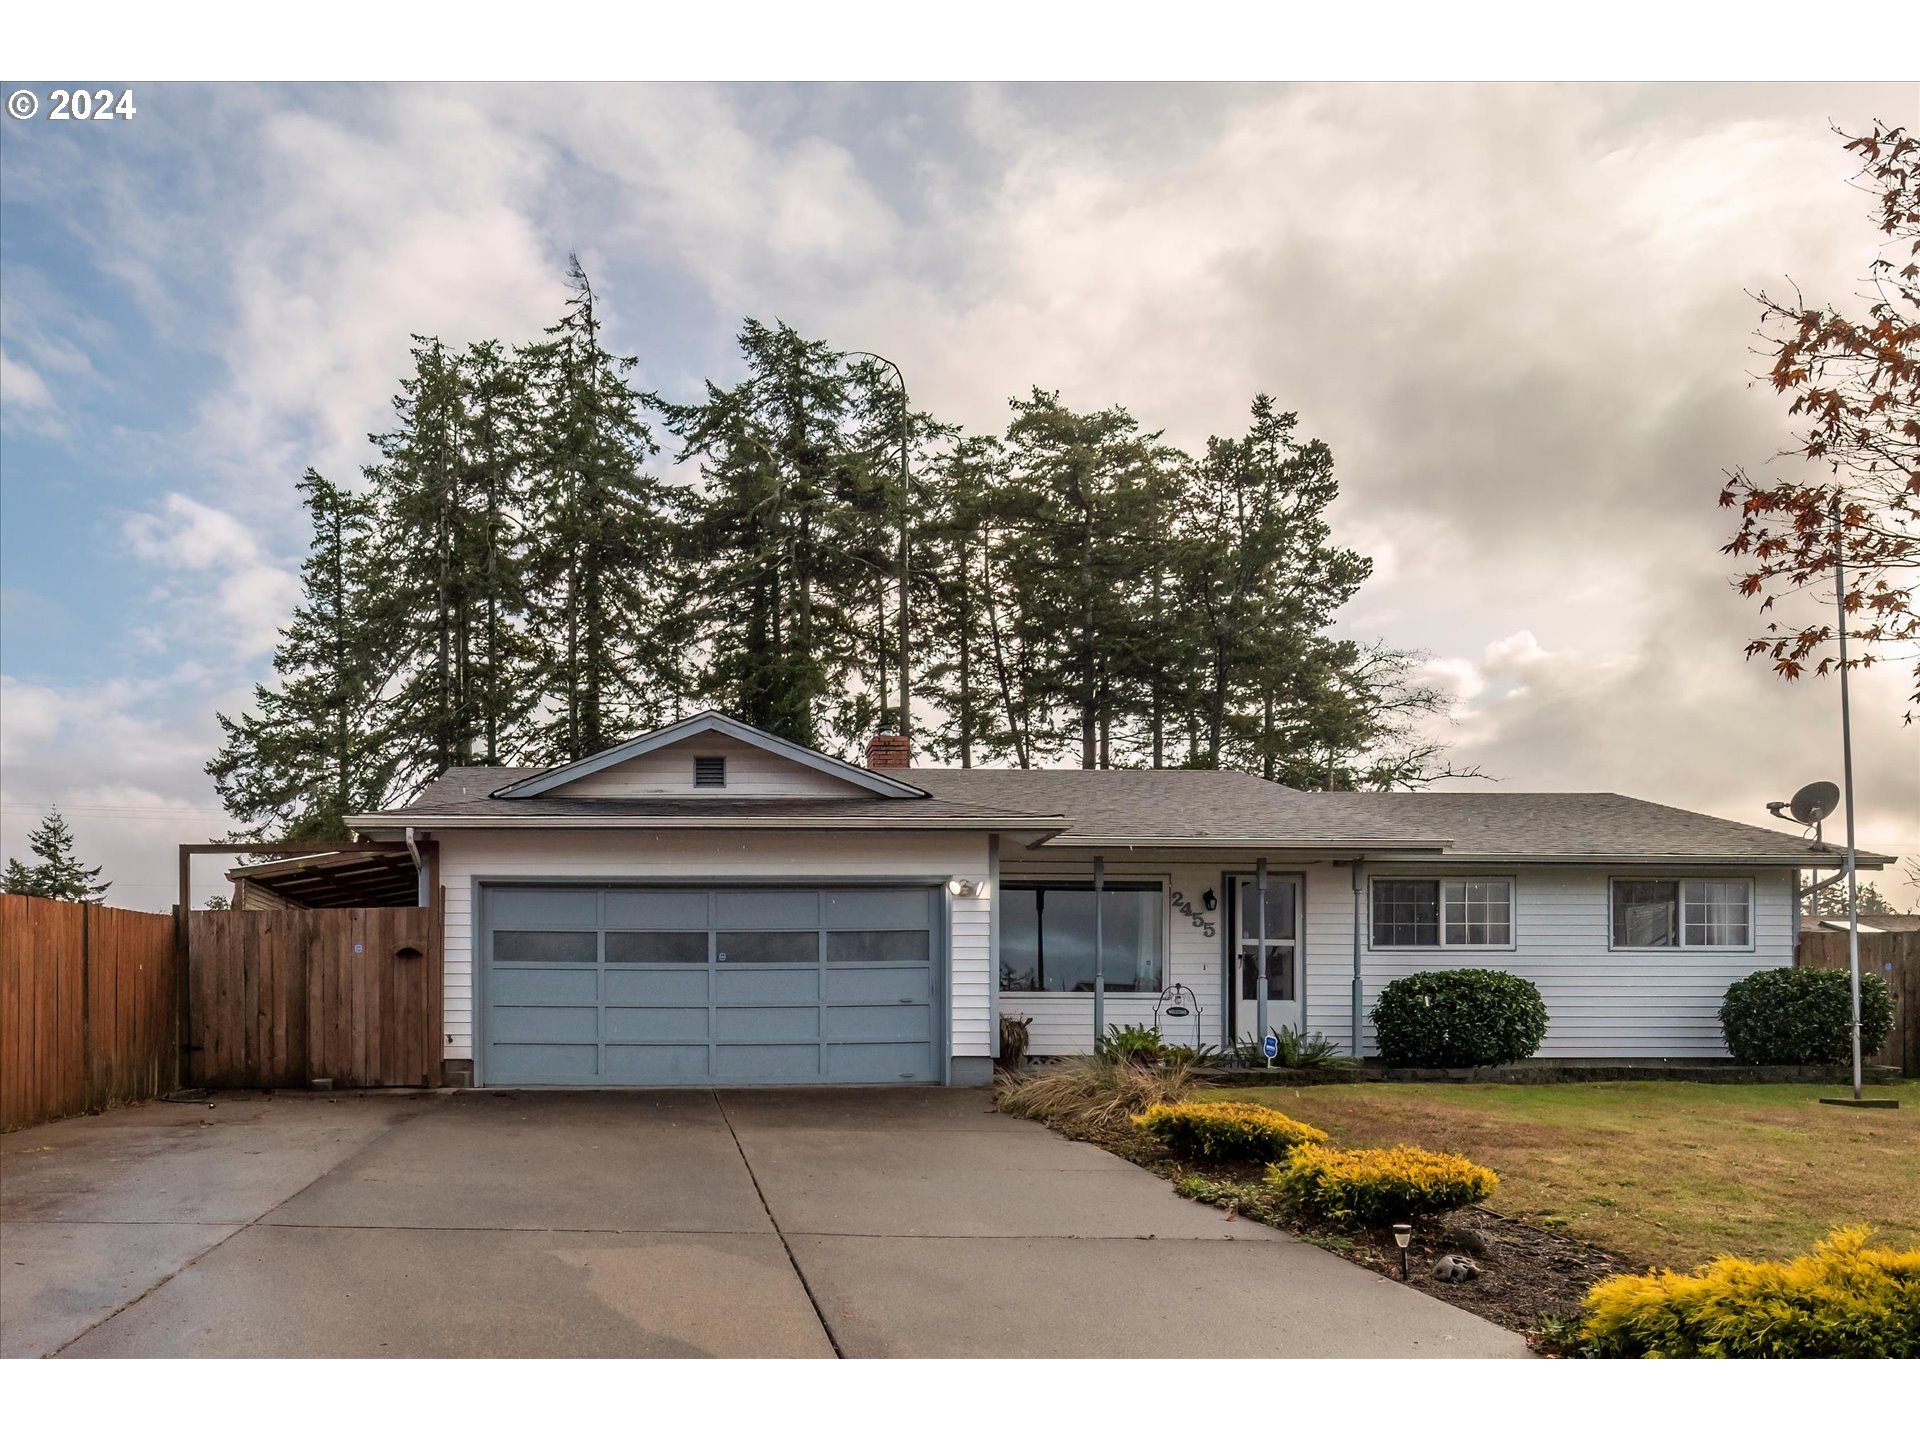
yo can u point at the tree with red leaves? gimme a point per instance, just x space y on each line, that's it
1855 388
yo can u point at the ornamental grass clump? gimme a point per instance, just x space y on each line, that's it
1845 1300
1379 1187
1225 1130
1092 1090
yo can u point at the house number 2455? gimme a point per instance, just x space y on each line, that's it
1200 921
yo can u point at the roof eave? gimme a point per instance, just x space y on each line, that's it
1011 824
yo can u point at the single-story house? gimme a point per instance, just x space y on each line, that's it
710 903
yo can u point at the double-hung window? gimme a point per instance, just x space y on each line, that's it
1046 936
1682 914
1418 914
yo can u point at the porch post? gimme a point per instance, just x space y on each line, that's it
1099 954
1260 941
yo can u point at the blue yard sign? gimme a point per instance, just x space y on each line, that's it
1270 1046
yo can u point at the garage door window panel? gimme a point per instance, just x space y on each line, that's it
767 947
878 947
656 947
545 947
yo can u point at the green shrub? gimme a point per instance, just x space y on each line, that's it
1091 1090
1446 1018
1296 1051
1843 1300
1141 1043
1379 1187
1225 1130
1803 1017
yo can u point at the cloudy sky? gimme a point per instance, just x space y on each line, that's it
1515 313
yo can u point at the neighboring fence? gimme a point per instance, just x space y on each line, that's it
287 997
88 1006
1895 958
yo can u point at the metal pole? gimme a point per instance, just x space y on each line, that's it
1099 953
1846 778
1260 943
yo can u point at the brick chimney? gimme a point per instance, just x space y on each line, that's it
889 752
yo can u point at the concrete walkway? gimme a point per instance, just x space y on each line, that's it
658 1223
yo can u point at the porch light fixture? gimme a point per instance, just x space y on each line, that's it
960 885
1403 1237
1209 900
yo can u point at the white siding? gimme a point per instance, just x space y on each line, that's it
1601 1004
693 856
751 771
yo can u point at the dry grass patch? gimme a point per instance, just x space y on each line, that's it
1664 1172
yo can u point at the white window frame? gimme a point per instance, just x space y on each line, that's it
1512 883
1680 882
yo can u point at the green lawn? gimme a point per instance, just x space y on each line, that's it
1665 1173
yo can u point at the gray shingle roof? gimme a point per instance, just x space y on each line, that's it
1210 807
1215 805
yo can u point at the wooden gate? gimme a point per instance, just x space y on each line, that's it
287 997
1895 958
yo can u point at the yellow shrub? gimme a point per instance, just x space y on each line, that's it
1844 1299
1377 1187
1225 1130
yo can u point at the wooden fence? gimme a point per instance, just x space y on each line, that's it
88 1008
287 997
1895 958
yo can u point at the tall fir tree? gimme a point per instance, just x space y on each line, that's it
318 747
58 875
600 561
790 540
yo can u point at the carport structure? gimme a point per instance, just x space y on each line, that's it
327 969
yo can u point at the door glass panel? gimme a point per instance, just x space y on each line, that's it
1279 972
878 947
769 947
1279 909
545 947
656 947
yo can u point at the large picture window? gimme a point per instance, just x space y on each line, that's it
1682 914
1046 937
1420 914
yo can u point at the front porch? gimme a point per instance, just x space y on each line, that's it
1176 918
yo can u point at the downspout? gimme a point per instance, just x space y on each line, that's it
1357 917
419 869
1099 953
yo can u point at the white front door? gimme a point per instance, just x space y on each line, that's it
1283 950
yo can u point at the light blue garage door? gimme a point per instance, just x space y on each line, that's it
710 987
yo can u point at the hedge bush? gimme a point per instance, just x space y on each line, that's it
1803 1017
1378 1187
1446 1018
1225 1130
1843 1300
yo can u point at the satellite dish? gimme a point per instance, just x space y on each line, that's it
1813 803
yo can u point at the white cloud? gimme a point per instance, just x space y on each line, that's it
21 385
230 574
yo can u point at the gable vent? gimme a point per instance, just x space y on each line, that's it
709 772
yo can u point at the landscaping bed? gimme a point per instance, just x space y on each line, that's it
1531 1279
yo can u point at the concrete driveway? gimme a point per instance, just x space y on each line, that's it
658 1223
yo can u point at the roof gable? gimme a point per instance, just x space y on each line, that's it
661 763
